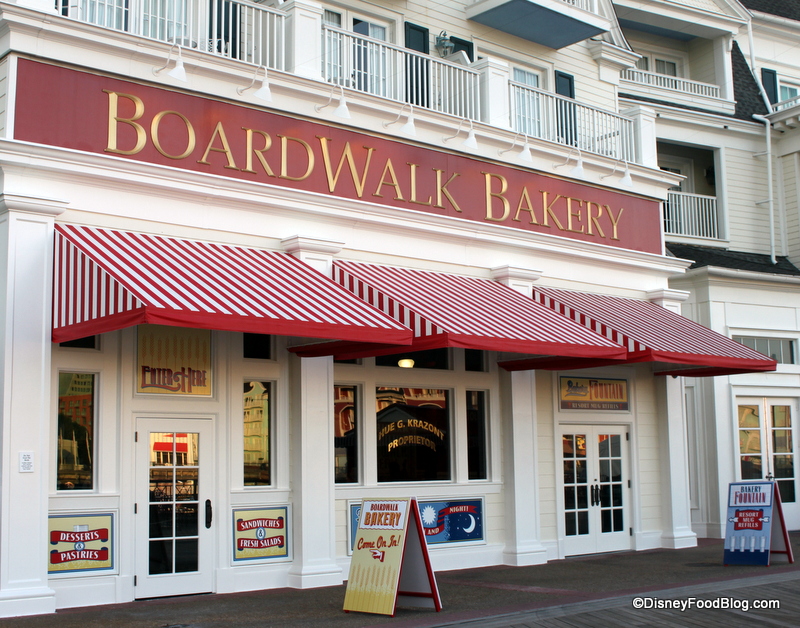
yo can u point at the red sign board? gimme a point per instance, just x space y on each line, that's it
72 109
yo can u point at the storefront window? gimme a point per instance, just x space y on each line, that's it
345 434
75 441
257 469
413 426
476 434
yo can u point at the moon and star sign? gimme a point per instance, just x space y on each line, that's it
453 521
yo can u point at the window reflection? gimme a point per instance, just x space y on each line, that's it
75 444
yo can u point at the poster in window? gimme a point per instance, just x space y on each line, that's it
593 393
173 361
260 533
80 543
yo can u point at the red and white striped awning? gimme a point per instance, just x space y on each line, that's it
105 279
650 333
453 311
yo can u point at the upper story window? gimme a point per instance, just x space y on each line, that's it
361 26
654 63
779 349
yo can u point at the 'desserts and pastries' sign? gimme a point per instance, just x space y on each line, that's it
260 533
593 393
80 543
173 360
390 562
123 119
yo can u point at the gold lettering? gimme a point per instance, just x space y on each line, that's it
389 169
441 190
528 207
258 152
190 141
592 219
413 198
488 176
548 210
114 119
285 139
614 221
219 132
347 155
574 214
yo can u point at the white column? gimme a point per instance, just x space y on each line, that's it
723 65
673 445
26 268
495 101
315 252
644 123
312 480
304 34
521 484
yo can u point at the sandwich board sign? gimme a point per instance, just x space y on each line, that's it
390 562
756 527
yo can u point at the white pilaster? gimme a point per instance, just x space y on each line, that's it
644 124
304 30
315 252
26 268
523 544
312 480
495 105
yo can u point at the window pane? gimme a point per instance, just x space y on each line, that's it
75 444
749 416
257 346
345 433
474 360
666 67
256 434
751 468
413 426
476 434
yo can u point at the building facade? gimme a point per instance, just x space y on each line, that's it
264 260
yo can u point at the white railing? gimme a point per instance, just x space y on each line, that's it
786 104
373 66
685 86
586 5
691 215
236 29
548 116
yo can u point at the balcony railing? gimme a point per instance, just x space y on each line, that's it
235 29
375 67
789 103
685 86
586 5
548 116
691 215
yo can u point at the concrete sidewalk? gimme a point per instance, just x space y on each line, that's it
591 591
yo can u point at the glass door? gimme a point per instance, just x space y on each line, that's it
595 480
174 508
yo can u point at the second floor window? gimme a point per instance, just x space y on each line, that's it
779 349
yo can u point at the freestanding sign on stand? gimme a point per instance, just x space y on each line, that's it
756 527
390 563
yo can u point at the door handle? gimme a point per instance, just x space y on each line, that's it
209 513
595 494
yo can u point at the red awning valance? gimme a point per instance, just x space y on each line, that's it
650 333
106 279
454 311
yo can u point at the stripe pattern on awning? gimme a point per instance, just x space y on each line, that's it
106 279
652 333
446 310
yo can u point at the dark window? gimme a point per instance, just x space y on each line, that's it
345 433
779 349
769 79
474 360
565 109
257 346
75 440
476 434
417 67
413 426
565 84
463 44
430 359
88 342
256 419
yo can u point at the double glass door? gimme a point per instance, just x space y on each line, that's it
596 496
174 508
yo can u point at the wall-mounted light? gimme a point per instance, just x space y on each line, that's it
578 170
625 180
178 72
405 363
443 44
263 92
471 141
408 128
341 111
524 153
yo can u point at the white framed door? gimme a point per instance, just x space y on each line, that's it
174 507
595 482
767 447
